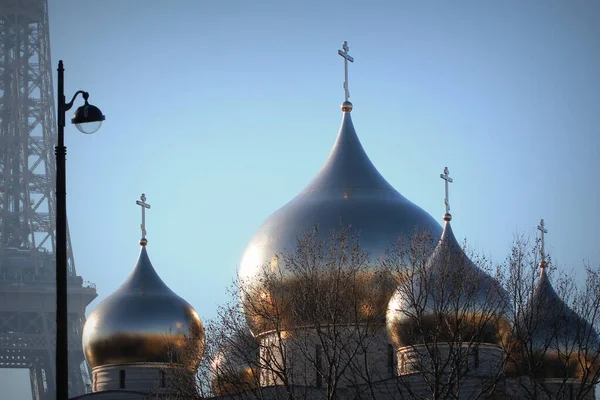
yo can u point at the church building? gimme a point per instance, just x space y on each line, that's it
333 310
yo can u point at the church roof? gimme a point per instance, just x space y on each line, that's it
347 193
552 337
450 287
348 165
143 321
549 318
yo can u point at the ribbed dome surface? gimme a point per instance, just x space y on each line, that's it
348 192
449 298
143 321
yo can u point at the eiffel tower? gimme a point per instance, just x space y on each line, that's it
27 208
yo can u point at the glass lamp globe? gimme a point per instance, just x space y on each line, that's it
88 118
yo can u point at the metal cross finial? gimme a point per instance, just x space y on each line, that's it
446 177
144 205
347 58
543 230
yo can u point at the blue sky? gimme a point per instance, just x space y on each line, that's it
222 111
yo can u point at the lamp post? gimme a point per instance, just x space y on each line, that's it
88 119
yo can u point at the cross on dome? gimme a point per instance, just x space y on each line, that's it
143 205
542 229
446 177
347 58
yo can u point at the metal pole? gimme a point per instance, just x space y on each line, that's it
62 331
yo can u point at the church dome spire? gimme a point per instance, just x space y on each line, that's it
348 166
557 336
143 321
449 288
347 192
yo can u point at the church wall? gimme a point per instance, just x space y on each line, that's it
524 387
479 360
113 395
414 386
558 388
301 353
136 377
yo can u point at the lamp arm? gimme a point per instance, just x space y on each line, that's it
67 106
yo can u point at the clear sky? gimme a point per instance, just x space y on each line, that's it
221 112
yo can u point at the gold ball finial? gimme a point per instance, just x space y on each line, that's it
143 242
447 217
347 106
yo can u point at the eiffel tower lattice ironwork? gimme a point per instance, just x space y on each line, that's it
27 215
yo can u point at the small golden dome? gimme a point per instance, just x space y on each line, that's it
143 321
553 338
450 288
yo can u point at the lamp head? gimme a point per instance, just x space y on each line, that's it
88 118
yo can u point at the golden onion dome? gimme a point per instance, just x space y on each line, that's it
234 368
348 192
448 298
143 321
552 341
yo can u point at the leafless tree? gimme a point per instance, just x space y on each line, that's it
447 319
554 352
318 326
319 316
311 325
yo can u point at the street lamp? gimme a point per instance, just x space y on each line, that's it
88 119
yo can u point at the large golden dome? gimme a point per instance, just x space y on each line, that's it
143 321
347 193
